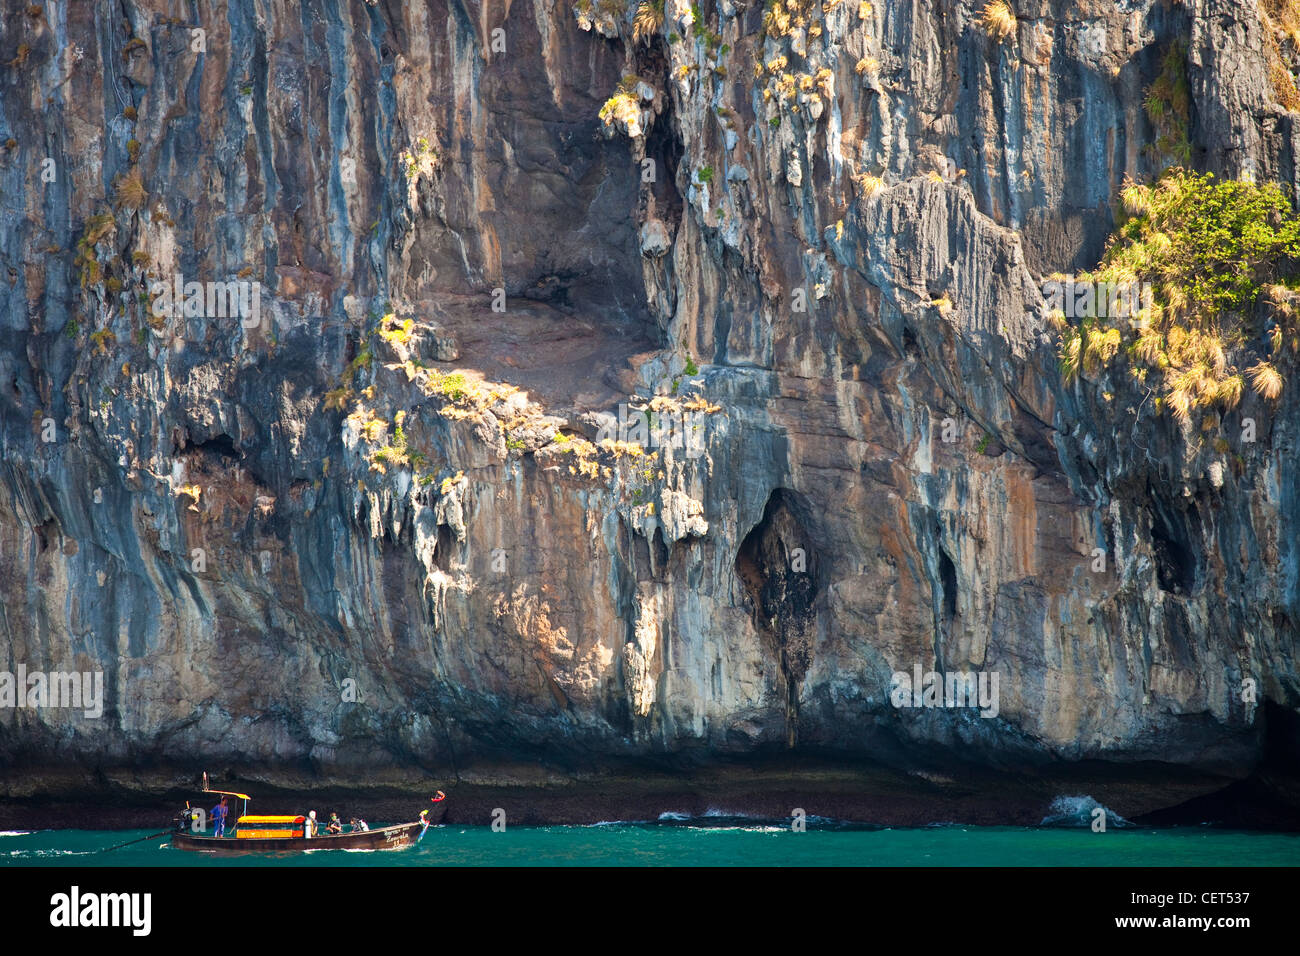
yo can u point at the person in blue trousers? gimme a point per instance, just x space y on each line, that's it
219 818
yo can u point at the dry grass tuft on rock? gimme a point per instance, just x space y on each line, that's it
130 191
648 20
997 20
1280 20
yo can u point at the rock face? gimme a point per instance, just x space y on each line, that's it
316 537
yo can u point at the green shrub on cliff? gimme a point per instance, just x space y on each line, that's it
454 386
1219 241
1216 255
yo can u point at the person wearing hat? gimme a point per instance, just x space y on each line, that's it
309 825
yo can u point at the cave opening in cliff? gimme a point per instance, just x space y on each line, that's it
442 549
948 583
664 148
659 549
218 446
780 570
1176 565
1265 798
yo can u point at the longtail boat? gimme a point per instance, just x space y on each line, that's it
286 833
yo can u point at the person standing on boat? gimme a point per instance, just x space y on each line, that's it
309 825
219 818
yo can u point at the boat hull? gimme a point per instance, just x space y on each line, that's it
382 838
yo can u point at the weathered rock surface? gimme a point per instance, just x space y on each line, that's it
208 524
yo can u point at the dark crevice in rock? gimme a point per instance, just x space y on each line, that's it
442 550
911 349
948 583
779 568
1265 799
659 547
222 446
1034 438
46 533
641 561
1174 544
940 571
664 147
553 289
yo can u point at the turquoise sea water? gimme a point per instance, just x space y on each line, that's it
729 843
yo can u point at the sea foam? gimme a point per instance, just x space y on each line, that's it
1077 811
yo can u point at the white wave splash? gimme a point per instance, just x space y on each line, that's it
1079 811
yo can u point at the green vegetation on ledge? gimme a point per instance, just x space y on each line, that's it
1218 256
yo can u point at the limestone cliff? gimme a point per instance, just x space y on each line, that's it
622 386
